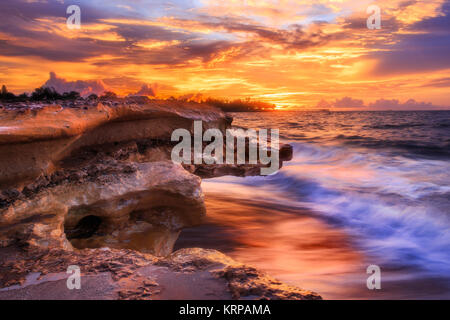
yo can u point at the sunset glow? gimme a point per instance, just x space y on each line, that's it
226 150
305 54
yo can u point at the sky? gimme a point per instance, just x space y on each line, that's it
293 53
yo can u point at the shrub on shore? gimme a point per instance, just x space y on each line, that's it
50 94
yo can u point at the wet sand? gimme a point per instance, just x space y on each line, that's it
296 247
286 242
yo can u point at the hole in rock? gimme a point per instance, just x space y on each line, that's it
85 228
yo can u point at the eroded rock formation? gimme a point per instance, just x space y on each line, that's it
141 206
34 140
99 175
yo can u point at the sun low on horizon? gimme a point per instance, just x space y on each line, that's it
293 54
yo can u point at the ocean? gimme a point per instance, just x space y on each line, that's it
363 188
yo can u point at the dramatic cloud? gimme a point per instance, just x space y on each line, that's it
348 102
85 88
293 36
148 90
290 53
422 46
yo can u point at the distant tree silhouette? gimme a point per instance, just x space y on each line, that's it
108 95
72 95
50 94
5 95
239 105
23 97
45 93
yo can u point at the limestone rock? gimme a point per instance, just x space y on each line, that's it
243 281
99 175
33 140
143 206
186 274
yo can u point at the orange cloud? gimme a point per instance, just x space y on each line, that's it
290 53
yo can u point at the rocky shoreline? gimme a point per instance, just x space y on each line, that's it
92 184
188 274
